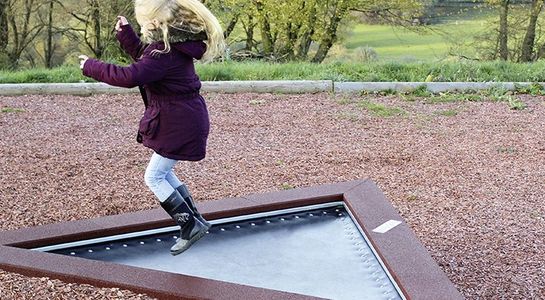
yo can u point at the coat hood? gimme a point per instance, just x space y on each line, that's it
195 49
183 40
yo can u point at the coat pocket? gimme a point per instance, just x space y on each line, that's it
149 124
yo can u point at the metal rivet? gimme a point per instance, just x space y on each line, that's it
108 248
312 215
337 210
253 224
158 240
282 219
90 251
125 245
297 217
174 237
142 243
268 222
237 227
223 229
72 253
325 212
208 232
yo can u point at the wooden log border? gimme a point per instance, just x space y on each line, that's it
275 86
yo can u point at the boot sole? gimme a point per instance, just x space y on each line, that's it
197 237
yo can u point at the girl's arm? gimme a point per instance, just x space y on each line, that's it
129 41
146 70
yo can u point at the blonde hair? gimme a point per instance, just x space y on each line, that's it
188 15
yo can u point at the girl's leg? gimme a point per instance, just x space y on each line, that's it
173 180
155 177
183 190
173 203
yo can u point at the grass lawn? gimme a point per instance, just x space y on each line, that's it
337 71
401 44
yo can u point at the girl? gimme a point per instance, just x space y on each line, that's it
175 124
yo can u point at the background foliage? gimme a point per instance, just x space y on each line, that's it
51 33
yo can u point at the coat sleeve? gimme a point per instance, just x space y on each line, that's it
129 41
146 70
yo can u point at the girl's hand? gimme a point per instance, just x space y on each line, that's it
83 59
121 20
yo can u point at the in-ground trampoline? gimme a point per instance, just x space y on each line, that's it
339 241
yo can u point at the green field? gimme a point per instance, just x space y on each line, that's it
401 44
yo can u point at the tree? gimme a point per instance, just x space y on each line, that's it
4 30
95 22
337 12
22 27
503 31
516 32
51 47
527 49
287 30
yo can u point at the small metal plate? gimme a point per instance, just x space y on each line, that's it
317 252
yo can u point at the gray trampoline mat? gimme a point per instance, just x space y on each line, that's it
316 251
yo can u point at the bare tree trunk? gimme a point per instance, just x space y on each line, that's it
292 31
331 32
95 19
229 29
4 31
265 26
249 28
530 36
48 53
503 34
306 37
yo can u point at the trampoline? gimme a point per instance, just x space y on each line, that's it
340 241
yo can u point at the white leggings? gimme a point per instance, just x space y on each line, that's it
160 178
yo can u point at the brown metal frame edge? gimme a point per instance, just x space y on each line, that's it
414 270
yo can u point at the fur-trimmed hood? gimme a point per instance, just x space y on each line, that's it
177 35
181 38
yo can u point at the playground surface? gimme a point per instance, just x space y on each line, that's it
467 177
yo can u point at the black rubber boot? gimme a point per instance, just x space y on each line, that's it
182 189
191 229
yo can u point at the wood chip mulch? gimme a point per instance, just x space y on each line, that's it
468 177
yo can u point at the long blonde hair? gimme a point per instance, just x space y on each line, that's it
191 15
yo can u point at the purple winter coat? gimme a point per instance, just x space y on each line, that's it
175 124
